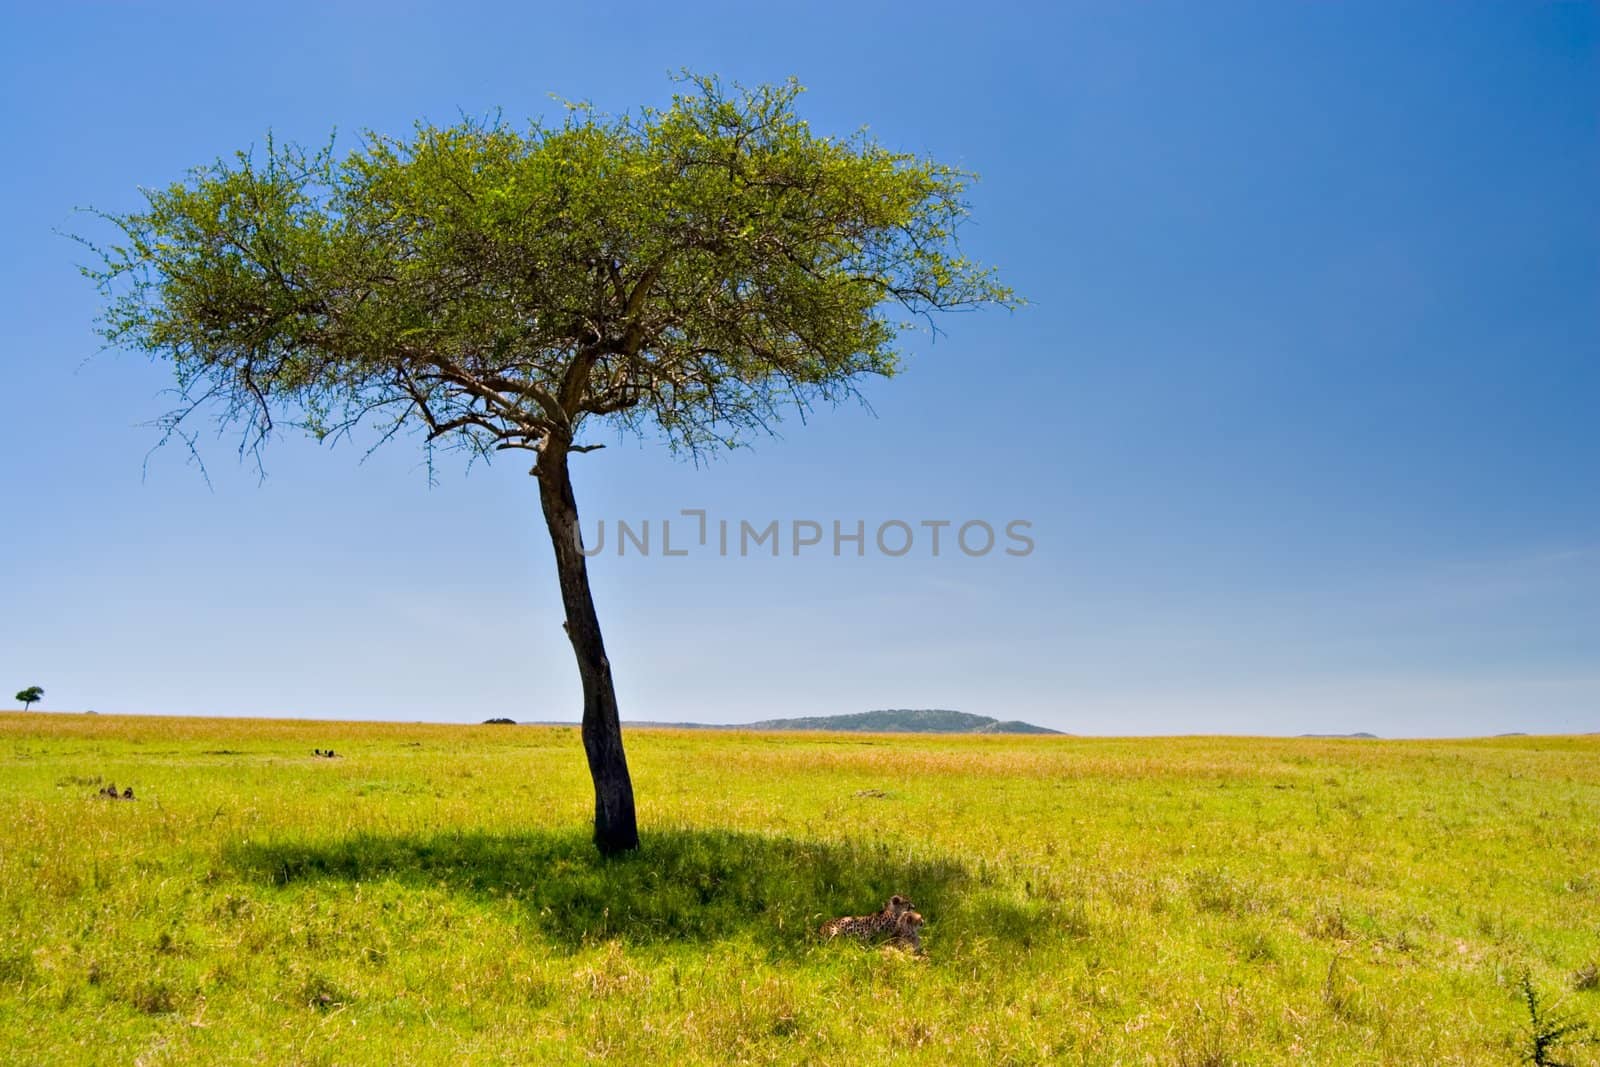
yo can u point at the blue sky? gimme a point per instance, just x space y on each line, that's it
1302 410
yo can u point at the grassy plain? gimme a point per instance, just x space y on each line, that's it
430 897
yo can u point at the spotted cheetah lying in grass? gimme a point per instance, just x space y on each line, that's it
898 923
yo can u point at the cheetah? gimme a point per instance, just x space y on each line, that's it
899 923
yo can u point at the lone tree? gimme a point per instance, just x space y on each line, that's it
685 273
30 696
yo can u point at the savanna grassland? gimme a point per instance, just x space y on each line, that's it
430 896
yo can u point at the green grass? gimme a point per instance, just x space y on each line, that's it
431 897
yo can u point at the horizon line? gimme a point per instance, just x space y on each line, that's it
750 728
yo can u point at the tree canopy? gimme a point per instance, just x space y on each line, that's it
30 696
691 270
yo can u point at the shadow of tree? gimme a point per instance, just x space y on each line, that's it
701 885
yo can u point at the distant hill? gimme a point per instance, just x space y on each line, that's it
1366 737
886 721
904 721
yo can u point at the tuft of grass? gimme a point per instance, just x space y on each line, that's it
16 968
321 992
1257 945
1550 1034
152 997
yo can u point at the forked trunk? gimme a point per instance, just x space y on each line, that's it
615 828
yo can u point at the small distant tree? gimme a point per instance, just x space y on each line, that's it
686 272
30 696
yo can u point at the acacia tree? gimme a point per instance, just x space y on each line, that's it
686 273
30 696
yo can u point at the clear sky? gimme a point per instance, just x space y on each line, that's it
1303 411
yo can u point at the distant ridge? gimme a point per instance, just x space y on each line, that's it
884 721
902 721
1364 737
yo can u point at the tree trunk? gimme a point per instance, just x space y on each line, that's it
615 828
